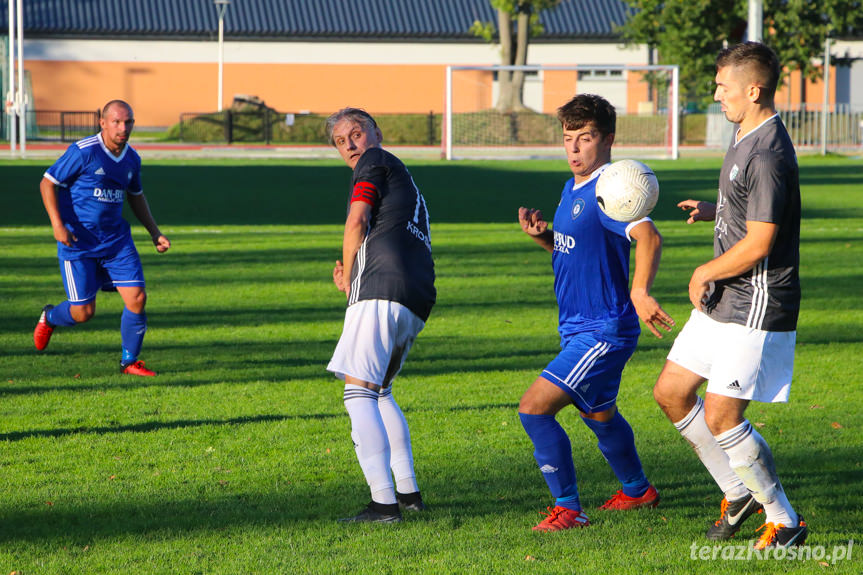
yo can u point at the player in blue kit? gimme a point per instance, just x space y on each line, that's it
598 320
83 193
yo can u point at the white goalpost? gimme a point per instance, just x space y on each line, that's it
645 97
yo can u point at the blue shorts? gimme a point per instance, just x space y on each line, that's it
83 278
589 370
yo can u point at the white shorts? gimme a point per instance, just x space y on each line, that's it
737 361
375 341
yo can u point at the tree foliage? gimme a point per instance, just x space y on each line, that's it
690 33
517 21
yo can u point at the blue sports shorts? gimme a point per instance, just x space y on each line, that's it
83 278
589 370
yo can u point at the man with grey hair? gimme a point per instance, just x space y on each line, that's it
387 274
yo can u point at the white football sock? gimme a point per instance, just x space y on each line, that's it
694 429
401 454
750 457
370 441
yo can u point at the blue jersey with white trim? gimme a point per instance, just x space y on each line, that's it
91 187
591 266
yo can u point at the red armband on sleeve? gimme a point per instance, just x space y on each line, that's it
365 192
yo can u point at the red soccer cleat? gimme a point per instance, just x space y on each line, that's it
621 500
43 331
561 518
136 368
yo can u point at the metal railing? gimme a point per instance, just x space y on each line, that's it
55 125
844 126
268 126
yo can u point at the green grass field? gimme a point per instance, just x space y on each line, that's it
237 457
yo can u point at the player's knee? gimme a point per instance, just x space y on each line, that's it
138 302
82 313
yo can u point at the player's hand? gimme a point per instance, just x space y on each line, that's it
698 288
339 276
531 221
162 243
64 236
651 313
701 211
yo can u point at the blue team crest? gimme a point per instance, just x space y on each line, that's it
734 171
129 176
577 207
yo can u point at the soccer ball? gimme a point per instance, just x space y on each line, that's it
627 191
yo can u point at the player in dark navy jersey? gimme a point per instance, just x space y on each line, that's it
741 334
598 320
83 193
387 275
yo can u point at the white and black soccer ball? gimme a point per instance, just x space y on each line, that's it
627 190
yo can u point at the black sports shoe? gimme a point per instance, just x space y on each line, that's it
734 513
781 536
376 513
411 501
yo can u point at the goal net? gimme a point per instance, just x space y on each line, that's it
645 98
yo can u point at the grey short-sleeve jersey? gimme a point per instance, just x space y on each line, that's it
760 182
394 262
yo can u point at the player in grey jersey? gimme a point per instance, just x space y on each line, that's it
740 337
387 274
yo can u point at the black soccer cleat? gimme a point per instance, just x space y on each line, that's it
376 513
734 513
411 501
781 536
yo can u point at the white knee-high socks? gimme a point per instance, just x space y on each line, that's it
694 429
382 442
751 459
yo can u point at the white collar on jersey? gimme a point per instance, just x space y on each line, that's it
752 131
109 153
593 176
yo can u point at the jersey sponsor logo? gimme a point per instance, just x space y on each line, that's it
547 468
100 172
563 243
721 226
108 195
577 208
734 171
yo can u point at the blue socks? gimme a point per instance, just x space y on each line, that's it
617 444
553 454
133 326
61 315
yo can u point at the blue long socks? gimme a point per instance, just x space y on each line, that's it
133 326
553 454
617 444
61 314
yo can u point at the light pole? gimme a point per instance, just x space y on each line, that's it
222 7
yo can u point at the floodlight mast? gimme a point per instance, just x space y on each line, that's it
10 93
21 99
222 7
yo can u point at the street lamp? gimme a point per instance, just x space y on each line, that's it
222 7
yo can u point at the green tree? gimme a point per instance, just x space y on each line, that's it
517 21
689 33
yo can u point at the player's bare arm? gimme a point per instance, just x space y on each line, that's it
742 257
49 199
648 252
534 225
141 209
700 211
355 232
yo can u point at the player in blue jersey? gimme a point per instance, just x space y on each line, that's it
83 193
598 318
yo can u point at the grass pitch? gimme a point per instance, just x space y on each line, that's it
237 457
